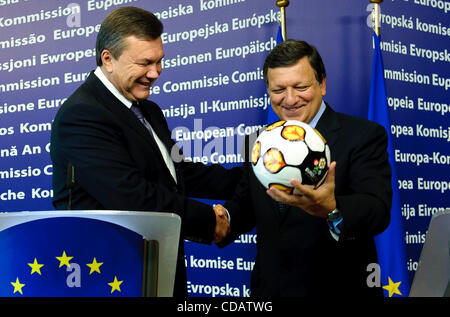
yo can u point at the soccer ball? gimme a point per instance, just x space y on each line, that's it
290 149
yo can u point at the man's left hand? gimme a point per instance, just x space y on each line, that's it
318 202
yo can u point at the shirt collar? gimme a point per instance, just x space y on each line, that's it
99 73
319 113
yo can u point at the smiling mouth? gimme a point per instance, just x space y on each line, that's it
147 84
292 109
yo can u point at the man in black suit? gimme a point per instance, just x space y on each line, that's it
317 242
119 143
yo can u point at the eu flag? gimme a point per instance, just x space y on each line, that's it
390 244
271 115
70 257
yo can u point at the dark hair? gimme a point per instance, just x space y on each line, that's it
124 22
289 52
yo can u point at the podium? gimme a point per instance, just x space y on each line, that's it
433 272
160 231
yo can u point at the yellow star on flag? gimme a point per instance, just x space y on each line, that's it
35 267
17 286
392 287
115 285
64 259
95 266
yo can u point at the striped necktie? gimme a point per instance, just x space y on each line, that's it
138 112
162 147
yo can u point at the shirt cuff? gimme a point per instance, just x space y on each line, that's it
228 214
335 228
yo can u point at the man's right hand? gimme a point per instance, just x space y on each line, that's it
222 223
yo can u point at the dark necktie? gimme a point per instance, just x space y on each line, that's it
282 207
163 150
138 112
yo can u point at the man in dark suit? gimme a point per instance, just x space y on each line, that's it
119 143
317 242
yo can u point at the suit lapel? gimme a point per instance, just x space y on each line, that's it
158 127
108 100
161 131
329 126
124 114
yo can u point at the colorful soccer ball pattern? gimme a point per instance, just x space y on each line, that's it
287 150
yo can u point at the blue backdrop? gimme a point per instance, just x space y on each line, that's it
211 88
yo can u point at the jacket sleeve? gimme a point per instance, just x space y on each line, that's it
366 201
210 181
240 205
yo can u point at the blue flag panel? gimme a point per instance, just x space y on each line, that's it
70 257
271 115
390 244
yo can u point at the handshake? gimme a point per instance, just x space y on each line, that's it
222 223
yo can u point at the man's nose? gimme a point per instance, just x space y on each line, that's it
153 72
290 96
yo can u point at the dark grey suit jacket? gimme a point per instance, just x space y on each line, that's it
296 255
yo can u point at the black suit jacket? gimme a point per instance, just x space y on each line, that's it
119 166
296 254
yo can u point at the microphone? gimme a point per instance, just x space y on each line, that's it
70 183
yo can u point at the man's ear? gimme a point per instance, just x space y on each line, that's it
107 60
323 86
